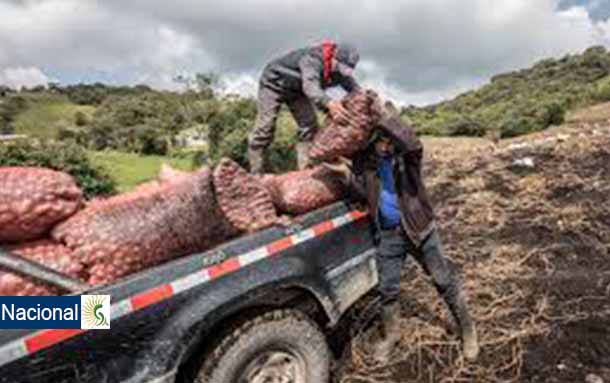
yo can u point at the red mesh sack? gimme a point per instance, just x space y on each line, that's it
243 199
338 139
133 231
304 190
33 200
47 253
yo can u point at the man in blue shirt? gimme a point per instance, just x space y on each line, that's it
395 246
388 175
389 211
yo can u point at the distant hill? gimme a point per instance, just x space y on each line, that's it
47 114
522 101
142 121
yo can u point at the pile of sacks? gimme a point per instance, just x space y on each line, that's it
44 218
302 191
178 214
305 190
345 138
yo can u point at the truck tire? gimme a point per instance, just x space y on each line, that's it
282 346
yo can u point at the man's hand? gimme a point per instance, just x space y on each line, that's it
341 167
338 112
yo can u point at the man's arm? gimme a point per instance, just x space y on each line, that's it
352 175
311 69
403 136
349 84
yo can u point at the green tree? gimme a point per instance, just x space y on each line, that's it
9 108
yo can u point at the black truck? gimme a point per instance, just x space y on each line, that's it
260 308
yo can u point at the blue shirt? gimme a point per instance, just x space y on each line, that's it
389 210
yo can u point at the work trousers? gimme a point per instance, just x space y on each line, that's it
268 107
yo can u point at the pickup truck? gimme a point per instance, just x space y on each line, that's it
260 308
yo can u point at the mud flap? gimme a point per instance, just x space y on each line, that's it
352 280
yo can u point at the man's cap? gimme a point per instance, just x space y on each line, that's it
347 54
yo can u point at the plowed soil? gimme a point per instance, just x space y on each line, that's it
528 222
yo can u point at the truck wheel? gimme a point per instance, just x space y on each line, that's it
281 346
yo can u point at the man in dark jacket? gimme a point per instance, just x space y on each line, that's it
388 175
298 79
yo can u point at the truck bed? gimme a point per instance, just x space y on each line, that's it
160 315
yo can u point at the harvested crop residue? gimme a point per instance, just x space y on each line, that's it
528 221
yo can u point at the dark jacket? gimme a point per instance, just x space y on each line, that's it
417 214
300 73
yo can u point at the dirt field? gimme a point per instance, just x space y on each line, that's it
528 221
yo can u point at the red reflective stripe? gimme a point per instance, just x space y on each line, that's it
47 338
357 214
277 246
227 266
323 227
329 49
152 296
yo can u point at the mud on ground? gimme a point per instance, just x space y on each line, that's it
528 222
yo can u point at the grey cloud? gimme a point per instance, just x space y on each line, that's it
419 48
421 45
598 9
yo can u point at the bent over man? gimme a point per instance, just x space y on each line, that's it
298 79
388 175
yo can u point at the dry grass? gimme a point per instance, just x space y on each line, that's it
595 113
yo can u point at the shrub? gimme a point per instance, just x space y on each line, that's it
81 119
9 108
602 91
63 156
86 94
282 156
142 123
516 126
430 129
465 127
149 141
199 158
552 113
234 145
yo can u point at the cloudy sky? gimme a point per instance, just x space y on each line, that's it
414 51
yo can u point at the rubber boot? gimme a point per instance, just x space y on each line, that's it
390 333
302 155
255 158
470 343
468 332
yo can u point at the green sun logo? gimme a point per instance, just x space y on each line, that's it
92 312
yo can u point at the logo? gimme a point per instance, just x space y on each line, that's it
95 312
86 312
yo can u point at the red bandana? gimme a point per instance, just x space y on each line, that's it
329 48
